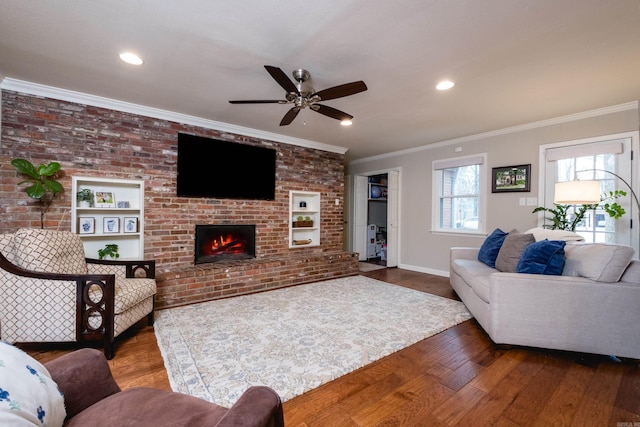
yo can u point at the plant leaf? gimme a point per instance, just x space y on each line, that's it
53 186
49 169
36 191
25 167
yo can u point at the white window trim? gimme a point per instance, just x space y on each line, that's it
436 166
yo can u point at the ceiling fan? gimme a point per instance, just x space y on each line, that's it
302 95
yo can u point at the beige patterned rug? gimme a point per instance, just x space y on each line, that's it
294 339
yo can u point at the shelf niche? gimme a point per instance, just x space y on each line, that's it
118 218
306 232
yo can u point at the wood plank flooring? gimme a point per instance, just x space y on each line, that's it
456 378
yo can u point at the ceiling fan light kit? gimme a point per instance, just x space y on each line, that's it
302 95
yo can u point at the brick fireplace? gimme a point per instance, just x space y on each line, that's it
94 141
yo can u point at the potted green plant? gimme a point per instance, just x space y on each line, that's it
43 186
110 250
561 219
85 198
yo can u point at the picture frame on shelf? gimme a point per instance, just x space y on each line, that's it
131 224
123 204
110 225
86 225
104 199
511 179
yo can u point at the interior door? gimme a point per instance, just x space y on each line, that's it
360 217
393 217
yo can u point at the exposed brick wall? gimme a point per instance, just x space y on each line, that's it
92 141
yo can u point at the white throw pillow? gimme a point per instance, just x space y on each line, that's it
601 262
28 395
544 233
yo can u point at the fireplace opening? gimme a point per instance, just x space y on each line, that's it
224 243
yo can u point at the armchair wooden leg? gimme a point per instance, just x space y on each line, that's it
109 350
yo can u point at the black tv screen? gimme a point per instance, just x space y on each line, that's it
224 170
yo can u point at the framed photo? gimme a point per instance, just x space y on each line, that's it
511 179
111 224
130 224
86 225
104 199
123 204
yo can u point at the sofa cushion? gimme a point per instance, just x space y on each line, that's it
481 286
28 395
511 251
543 257
128 293
49 251
601 262
491 246
470 269
632 273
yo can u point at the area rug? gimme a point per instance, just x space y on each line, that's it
294 339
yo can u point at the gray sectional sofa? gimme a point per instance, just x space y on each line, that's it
592 307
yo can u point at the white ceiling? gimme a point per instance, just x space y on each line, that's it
513 61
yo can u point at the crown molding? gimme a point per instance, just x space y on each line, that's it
113 104
527 126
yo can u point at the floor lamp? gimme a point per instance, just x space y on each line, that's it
588 192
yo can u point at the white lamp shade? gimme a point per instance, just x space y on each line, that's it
577 193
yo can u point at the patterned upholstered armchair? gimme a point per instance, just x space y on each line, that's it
49 291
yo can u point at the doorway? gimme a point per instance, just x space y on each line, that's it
377 196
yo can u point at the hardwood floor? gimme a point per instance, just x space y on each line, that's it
458 377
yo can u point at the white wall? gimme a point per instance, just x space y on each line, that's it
422 250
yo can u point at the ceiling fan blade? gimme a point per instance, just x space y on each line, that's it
342 90
331 112
291 114
282 79
260 101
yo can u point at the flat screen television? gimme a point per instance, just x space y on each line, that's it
224 170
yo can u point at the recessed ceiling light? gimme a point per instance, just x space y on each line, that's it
131 58
445 84
346 123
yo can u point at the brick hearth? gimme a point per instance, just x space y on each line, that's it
92 141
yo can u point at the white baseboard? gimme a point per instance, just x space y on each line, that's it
424 270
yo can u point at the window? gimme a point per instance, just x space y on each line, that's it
590 160
458 201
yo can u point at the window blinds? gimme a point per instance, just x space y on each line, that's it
585 150
458 162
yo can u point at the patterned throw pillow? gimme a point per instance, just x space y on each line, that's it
49 251
28 395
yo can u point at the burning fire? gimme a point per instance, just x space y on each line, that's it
228 244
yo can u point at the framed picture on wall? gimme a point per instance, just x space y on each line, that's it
511 179
86 225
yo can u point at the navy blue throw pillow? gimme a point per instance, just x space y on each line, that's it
543 257
491 246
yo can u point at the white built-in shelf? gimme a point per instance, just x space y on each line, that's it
119 220
306 235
